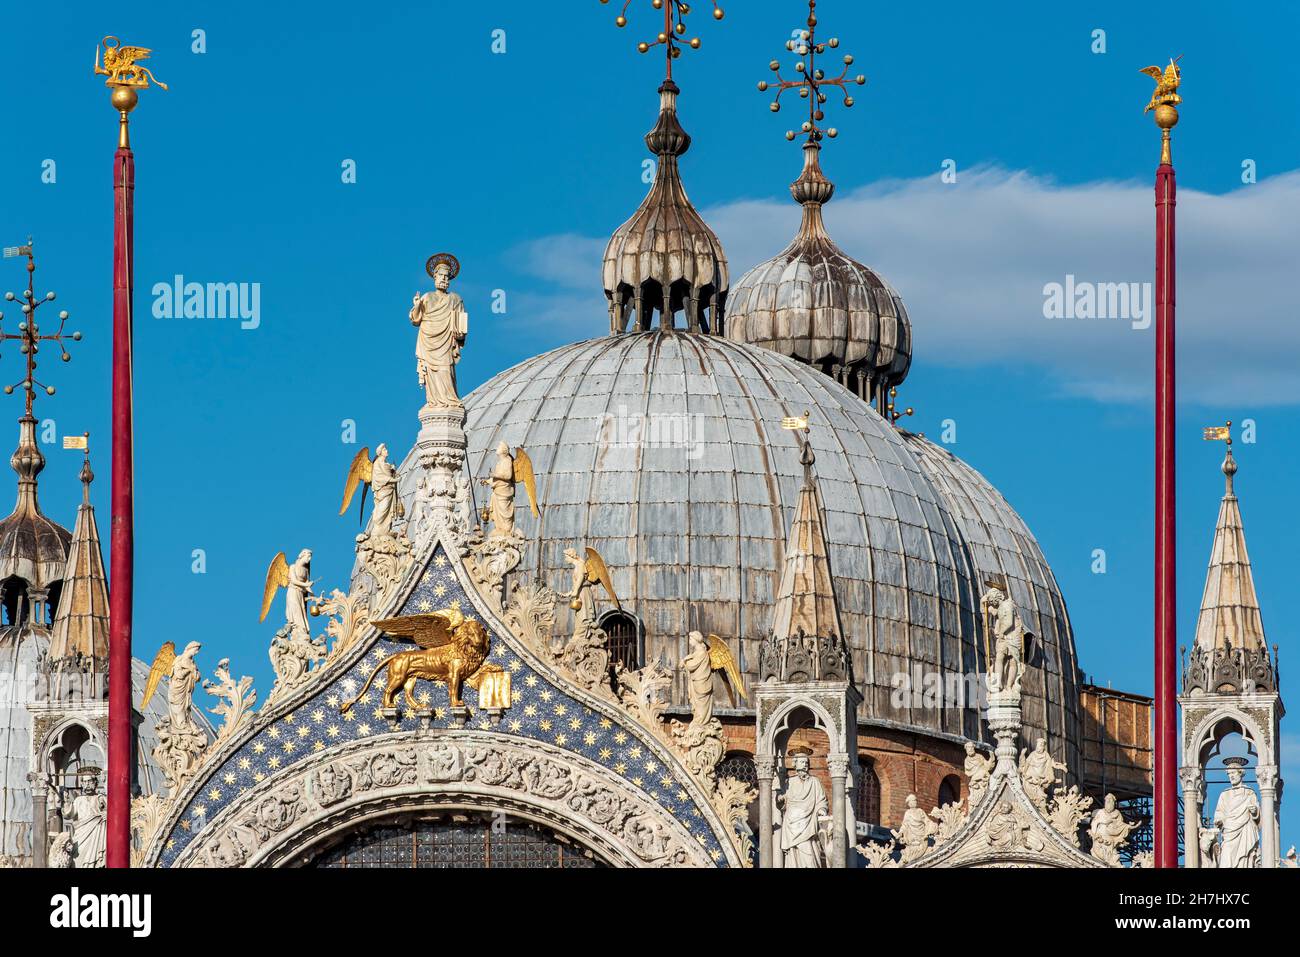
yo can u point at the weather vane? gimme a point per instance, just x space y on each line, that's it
1218 433
675 13
812 79
1164 101
29 333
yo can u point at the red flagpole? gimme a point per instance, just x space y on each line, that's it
122 543
1166 632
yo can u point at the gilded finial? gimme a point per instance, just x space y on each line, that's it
125 78
799 423
671 37
1164 101
812 79
894 416
1223 433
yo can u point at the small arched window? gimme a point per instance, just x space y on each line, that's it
949 790
867 806
624 639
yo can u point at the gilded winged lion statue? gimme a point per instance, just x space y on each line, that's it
452 649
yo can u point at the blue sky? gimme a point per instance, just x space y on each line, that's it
522 162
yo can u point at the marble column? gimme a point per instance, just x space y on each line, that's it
838 765
1190 779
766 767
1266 776
40 821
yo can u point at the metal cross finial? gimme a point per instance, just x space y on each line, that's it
29 333
675 13
813 78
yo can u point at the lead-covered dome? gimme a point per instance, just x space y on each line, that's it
665 451
815 303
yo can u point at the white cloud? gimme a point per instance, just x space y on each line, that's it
971 260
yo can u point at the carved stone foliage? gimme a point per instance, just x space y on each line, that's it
703 747
348 616
236 700
386 558
293 654
619 821
949 818
147 814
490 560
1067 811
531 616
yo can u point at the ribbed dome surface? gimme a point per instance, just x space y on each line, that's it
664 451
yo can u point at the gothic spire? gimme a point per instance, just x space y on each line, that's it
805 598
1229 609
81 622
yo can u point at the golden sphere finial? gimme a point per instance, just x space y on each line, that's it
124 98
1166 116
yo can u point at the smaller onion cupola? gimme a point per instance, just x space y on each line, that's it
812 301
665 258
33 548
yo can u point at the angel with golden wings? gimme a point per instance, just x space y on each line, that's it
589 570
296 581
509 472
380 476
705 656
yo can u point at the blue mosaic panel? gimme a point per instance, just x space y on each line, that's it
541 710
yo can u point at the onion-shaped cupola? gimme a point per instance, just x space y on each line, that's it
665 258
812 301
33 549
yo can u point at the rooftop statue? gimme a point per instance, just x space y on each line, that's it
803 813
443 324
1236 817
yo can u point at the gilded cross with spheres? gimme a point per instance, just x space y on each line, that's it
675 13
29 333
812 79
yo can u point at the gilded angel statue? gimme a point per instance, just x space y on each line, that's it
588 570
707 655
1167 81
380 475
120 64
509 472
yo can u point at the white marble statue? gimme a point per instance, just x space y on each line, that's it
87 811
804 816
383 484
698 665
1010 638
1038 772
1109 831
979 768
298 591
443 324
1236 816
180 738
913 834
